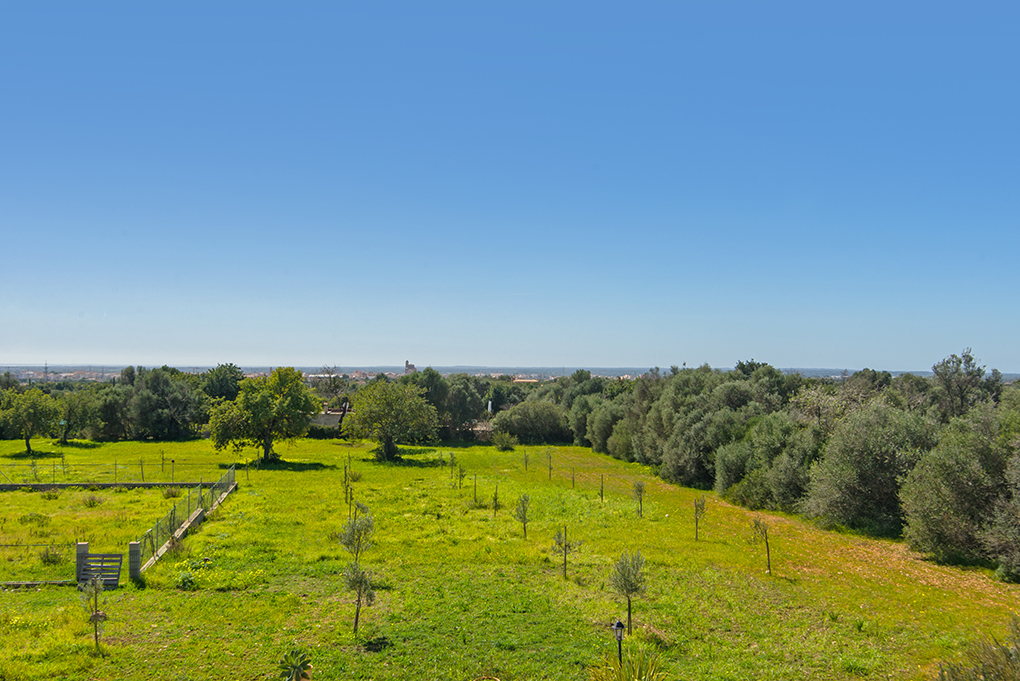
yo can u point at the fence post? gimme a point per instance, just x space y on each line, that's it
81 549
134 560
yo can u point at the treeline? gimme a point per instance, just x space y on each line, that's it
167 404
933 459
159 404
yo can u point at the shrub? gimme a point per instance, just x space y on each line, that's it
34 519
171 492
51 557
92 500
186 582
534 422
944 500
857 481
504 442
317 432
51 494
988 660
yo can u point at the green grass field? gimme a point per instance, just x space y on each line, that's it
461 594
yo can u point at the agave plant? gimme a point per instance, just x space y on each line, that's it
296 666
640 665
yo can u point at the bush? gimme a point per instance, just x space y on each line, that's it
857 482
51 557
92 500
186 582
945 498
534 422
504 442
171 492
317 432
988 660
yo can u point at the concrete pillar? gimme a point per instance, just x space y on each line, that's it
134 560
81 549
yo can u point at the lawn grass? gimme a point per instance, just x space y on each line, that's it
462 595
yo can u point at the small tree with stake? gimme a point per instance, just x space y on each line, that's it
91 593
699 512
628 578
356 534
561 545
360 582
639 496
521 511
760 532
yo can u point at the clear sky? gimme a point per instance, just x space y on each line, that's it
811 184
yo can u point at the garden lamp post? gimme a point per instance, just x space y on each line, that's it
618 632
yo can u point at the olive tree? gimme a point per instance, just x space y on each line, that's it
30 413
628 578
857 481
389 413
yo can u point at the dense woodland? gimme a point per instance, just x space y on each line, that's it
935 459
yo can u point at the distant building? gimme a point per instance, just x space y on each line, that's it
409 368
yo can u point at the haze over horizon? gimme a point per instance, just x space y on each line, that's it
808 185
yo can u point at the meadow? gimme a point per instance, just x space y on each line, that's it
460 593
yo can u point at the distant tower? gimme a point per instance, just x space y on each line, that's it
409 368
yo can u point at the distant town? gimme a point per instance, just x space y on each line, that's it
102 373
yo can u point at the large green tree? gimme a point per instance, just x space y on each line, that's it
267 408
464 402
223 382
390 413
960 382
167 404
79 413
32 412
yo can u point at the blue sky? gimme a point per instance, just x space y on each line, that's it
812 184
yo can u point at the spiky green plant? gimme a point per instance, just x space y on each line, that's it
295 665
638 665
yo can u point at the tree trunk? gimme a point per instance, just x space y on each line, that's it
340 423
389 447
628 615
267 447
28 442
357 615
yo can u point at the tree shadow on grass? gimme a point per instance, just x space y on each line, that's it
80 444
377 644
400 461
36 454
293 466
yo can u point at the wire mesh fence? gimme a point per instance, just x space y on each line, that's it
60 471
198 496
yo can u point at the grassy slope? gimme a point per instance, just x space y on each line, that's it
461 594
